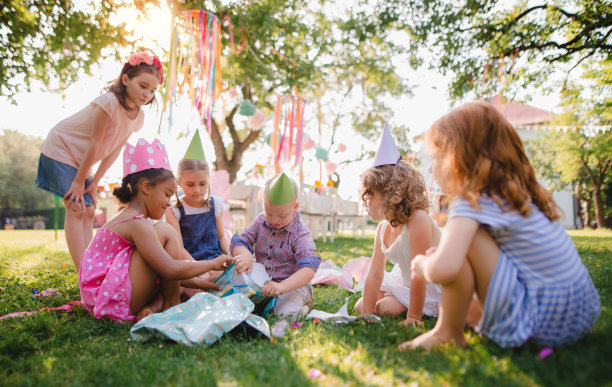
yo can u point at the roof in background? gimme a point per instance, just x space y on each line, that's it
521 114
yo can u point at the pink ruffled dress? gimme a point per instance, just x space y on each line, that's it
104 278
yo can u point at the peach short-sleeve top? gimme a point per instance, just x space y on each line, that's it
67 142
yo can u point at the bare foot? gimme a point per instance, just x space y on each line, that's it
147 310
170 303
432 339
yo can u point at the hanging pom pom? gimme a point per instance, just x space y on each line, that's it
257 121
330 166
341 147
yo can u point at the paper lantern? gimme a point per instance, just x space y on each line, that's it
317 184
309 144
247 108
341 147
234 93
330 166
257 121
321 153
330 183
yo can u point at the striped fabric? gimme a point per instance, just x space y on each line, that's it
540 288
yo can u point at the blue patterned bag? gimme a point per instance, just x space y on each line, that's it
203 319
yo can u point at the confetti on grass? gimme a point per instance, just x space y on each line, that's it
545 352
314 373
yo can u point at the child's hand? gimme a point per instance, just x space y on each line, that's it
222 262
92 190
75 195
410 321
205 282
272 288
417 266
244 263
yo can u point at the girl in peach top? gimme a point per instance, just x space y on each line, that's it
95 134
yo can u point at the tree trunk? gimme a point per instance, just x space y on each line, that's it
587 213
231 165
598 207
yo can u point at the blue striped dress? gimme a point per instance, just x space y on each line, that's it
540 288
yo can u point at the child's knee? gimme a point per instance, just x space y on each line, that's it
168 238
90 212
388 307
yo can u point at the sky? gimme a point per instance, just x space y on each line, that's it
37 111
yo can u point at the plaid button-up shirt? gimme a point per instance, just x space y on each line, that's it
282 251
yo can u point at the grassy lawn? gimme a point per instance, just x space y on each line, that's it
73 348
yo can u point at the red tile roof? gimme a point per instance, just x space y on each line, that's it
521 114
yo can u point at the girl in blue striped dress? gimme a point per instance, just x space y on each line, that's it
502 241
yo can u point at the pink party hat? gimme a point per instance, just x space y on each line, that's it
387 152
144 156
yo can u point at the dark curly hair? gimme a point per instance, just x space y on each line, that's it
403 190
129 184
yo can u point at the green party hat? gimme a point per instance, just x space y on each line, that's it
281 190
195 150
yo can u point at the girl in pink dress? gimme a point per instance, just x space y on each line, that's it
119 270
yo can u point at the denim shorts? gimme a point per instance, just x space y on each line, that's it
57 177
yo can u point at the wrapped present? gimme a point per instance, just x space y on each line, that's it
201 320
248 284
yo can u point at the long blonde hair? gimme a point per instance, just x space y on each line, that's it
485 155
188 165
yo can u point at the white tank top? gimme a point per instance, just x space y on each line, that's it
399 252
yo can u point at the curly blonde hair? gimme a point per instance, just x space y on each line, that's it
484 154
402 187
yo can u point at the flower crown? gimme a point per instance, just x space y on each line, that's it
144 57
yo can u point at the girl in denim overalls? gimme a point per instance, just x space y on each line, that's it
196 216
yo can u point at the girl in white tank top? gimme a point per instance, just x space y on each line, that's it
395 196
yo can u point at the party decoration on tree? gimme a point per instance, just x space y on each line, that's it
281 190
196 71
287 132
387 152
247 108
321 153
341 147
330 166
195 151
257 121
308 142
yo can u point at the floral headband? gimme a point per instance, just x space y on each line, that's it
144 57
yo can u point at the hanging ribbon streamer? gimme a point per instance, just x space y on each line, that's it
198 68
288 118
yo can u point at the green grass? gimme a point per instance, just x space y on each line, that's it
73 348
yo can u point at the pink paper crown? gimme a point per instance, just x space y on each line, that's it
144 57
144 156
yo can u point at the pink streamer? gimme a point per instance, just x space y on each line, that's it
67 307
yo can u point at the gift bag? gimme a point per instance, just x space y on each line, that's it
248 284
203 319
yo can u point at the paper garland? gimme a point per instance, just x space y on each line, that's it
198 68
288 120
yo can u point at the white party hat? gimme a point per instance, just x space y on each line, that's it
387 152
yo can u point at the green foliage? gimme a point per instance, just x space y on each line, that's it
52 40
282 46
58 348
18 165
534 39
